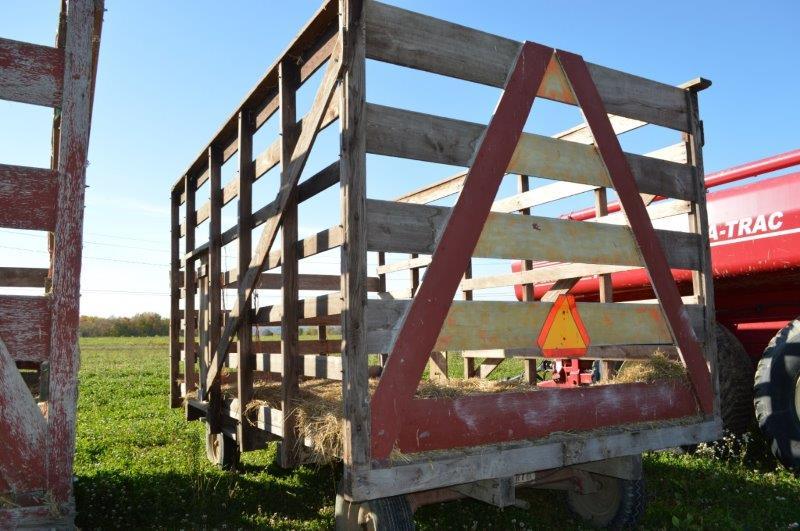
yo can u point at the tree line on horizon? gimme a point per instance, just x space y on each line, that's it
149 324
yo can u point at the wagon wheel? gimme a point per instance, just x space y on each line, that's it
222 450
383 514
617 503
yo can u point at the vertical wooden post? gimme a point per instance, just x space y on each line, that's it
530 374
202 324
469 363
604 281
289 82
353 183
214 395
189 288
244 374
703 280
67 245
382 289
175 396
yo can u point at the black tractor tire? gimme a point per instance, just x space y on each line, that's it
777 395
221 450
618 504
735 383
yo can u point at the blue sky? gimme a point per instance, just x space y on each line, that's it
171 72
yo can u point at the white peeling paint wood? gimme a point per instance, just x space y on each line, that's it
25 326
30 73
67 244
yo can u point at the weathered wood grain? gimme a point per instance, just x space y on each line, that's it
410 228
30 73
555 451
22 430
67 241
473 325
23 277
25 325
418 41
401 133
28 197
599 352
260 256
434 424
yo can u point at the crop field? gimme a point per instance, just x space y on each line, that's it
139 464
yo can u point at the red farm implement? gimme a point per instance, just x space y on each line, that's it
401 448
754 233
39 334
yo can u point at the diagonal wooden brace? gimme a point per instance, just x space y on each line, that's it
22 428
632 204
290 179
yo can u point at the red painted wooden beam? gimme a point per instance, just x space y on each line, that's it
435 424
429 308
653 255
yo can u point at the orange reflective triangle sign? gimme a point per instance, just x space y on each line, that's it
563 334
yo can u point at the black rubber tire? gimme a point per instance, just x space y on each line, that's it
222 450
620 508
735 383
389 514
777 395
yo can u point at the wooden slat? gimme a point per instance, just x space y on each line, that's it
288 83
25 327
27 197
323 305
600 352
411 263
541 274
451 423
472 325
401 133
410 228
410 39
316 282
175 281
308 365
30 73
558 450
23 277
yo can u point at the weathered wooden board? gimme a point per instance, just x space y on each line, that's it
329 304
418 41
27 197
401 133
410 228
600 352
23 435
431 471
30 73
472 325
433 424
23 277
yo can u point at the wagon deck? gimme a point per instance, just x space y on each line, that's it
438 236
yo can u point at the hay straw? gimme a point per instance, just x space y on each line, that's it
318 409
657 368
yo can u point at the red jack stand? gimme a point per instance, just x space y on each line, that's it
570 373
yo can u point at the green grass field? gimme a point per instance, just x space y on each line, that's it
139 464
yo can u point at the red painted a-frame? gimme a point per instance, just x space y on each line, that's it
398 419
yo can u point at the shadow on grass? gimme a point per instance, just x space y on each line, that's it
256 496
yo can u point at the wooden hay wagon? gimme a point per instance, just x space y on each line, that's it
402 447
39 332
